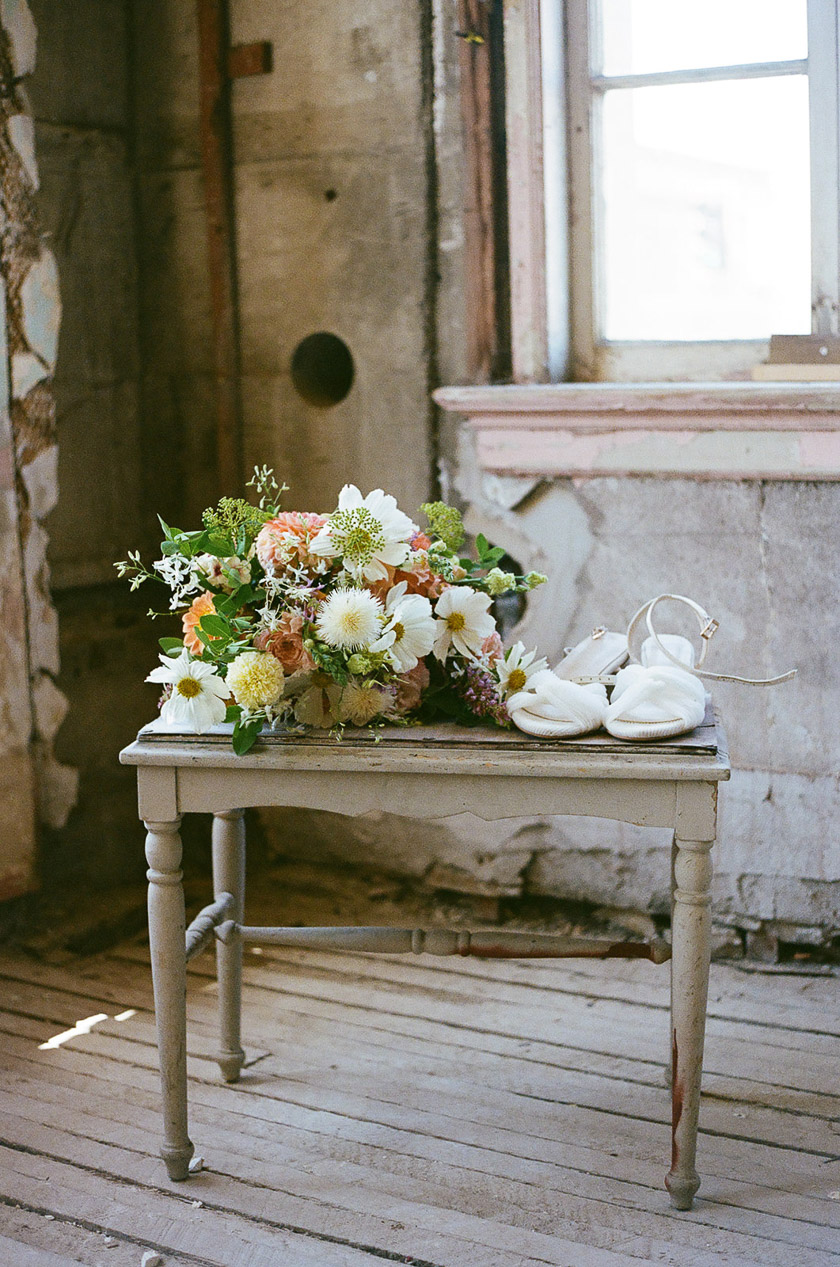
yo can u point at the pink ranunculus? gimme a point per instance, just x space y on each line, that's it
284 541
410 688
285 643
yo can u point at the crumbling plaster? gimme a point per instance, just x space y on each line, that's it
37 788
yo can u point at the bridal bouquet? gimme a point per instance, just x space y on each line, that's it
356 618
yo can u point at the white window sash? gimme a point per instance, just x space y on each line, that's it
575 347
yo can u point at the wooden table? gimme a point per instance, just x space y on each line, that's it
426 773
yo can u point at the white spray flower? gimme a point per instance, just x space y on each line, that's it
350 619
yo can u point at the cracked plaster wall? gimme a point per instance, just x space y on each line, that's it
36 787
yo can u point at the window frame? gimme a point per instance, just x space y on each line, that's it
575 349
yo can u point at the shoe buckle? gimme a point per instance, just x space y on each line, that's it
598 632
710 629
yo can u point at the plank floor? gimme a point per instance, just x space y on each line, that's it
439 1112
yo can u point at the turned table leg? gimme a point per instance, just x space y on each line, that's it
229 877
169 979
691 946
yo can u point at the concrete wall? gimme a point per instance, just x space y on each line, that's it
80 97
332 214
763 558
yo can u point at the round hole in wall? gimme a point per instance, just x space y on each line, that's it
322 369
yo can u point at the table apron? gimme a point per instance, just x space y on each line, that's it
648 803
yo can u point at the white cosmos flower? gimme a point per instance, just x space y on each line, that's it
409 632
465 621
517 668
198 693
366 533
350 619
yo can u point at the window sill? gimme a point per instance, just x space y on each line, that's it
702 430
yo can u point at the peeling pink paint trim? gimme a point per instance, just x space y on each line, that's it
717 455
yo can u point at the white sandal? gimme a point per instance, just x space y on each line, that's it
595 659
555 708
662 695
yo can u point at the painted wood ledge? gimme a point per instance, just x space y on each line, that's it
699 430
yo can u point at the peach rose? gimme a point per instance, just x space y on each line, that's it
201 606
419 579
285 643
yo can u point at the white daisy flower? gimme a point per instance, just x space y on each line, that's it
350 619
366 533
256 679
465 622
409 632
517 668
198 693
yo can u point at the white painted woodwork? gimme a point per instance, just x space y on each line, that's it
702 430
229 877
525 190
167 940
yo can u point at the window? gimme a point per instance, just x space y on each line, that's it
700 146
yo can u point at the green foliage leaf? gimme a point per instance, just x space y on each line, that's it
170 645
220 547
492 556
245 736
233 713
218 626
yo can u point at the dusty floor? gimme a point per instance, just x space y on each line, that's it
436 1112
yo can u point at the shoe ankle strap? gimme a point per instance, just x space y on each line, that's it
708 628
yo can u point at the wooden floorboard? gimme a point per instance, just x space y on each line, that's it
444 1113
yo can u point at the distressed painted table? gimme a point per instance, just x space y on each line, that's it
429 773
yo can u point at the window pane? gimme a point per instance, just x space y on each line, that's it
704 199
647 35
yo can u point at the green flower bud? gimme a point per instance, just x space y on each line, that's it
359 663
533 579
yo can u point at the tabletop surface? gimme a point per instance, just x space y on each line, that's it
444 748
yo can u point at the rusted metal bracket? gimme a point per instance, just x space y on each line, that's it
219 64
485 944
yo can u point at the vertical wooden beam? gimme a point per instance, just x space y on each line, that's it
485 241
217 163
524 128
